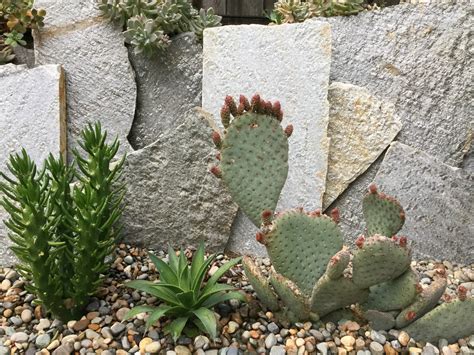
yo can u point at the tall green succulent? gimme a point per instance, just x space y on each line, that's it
187 298
16 18
62 234
150 23
312 277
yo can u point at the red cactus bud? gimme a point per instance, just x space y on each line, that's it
373 188
218 156
462 293
255 103
360 241
276 108
279 115
267 217
225 116
216 171
268 108
447 298
335 215
419 288
403 242
244 102
289 130
315 213
334 260
410 315
395 238
260 237
229 101
216 138
240 110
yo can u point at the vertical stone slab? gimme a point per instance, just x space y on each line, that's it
361 127
289 63
33 116
169 85
438 201
100 80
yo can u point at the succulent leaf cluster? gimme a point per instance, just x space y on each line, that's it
16 18
187 298
63 221
313 275
150 23
292 11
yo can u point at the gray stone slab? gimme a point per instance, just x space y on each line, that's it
289 63
438 201
168 86
100 79
33 116
361 126
418 57
172 197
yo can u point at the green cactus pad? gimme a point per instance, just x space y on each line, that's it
300 246
378 260
450 321
291 296
383 214
254 162
425 302
260 284
393 295
330 295
337 264
379 320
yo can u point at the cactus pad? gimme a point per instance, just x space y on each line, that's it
254 158
425 302
330 295
300 246
393 295
291 296
260 284
337 264
451 321
383 214
379 320
378 260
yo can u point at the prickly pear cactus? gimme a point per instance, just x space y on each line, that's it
379 320
383 214
449 321
379 259
253 154
300 246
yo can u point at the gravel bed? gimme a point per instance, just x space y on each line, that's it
244 327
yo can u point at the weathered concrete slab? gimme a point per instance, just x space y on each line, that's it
418 57
172 198
361 127
289 63
438 200
168 86
100 80
33 116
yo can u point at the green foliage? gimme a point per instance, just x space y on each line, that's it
150 23
291 11
63 229
16 18
186 297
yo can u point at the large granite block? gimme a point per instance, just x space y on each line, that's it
289 63
172 197
33 116
438 201
169 85
100 80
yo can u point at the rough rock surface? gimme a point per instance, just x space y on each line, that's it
289 63
361 127
418 57
172 197
100 80
438 201
33 117
168 85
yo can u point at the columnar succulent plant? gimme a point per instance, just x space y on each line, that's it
16 18
150 23
313 275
